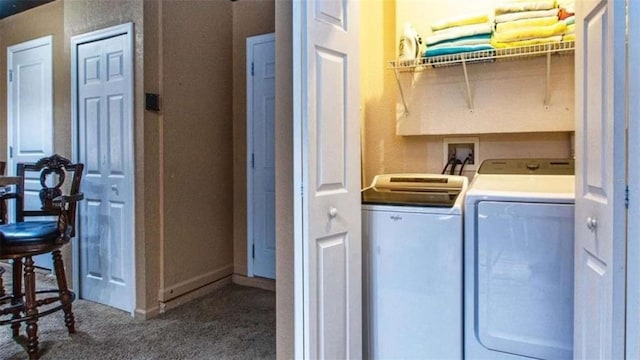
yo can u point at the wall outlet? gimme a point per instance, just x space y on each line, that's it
462 149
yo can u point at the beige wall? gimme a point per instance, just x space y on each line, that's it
197 145
284 181
184 221
148 246
250 17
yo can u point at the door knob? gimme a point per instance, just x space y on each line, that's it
114 188
333 212
592 223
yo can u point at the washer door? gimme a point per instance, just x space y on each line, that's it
524 283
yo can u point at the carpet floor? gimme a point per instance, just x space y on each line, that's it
234 322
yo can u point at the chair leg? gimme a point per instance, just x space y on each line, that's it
65 296
16 294
31 308
2 292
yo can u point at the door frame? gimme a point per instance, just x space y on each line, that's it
251 41
44 40
122 29
633 180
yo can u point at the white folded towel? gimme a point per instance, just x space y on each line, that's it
525 15
458 32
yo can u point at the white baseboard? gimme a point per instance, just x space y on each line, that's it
146 314
256 282
201 291
194 283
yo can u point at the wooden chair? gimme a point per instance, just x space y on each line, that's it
20 241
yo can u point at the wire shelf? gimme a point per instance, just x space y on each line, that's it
565 47
529 51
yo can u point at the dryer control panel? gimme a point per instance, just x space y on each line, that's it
528 167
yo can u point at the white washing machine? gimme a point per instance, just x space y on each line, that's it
519 260
412 258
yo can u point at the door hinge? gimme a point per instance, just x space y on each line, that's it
10 75
253 161
301 190
253 251
11 152
252 69
626 197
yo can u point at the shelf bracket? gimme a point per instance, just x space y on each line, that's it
547 90
466 80
404 103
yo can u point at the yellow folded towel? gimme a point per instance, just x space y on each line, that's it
525 15
569 37
530 32
571 29
512 25
525 6
459 21
536 41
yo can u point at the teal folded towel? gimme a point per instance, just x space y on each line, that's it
449 50
463 41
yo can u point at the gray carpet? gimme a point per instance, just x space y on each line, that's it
234 322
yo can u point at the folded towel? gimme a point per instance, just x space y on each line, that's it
465 40
460 21
511 25
458 32
456 50
525 15
569 5
530 32
570 20
569 37
525 6
570 29
536 41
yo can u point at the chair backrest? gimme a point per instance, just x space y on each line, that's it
55 176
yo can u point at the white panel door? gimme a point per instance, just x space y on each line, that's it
105 146
30 113
262 225
633 247
327 173
600 180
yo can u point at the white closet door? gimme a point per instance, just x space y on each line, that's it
600 180
327 178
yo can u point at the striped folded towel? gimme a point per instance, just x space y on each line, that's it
523 23
530 32
525 6
458 32
525 15
460 21
465 40
536 41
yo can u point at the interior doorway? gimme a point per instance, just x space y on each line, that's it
102 133
30 116
261 239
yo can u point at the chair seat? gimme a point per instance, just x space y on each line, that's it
29 232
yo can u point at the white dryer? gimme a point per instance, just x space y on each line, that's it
412 258
519 260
